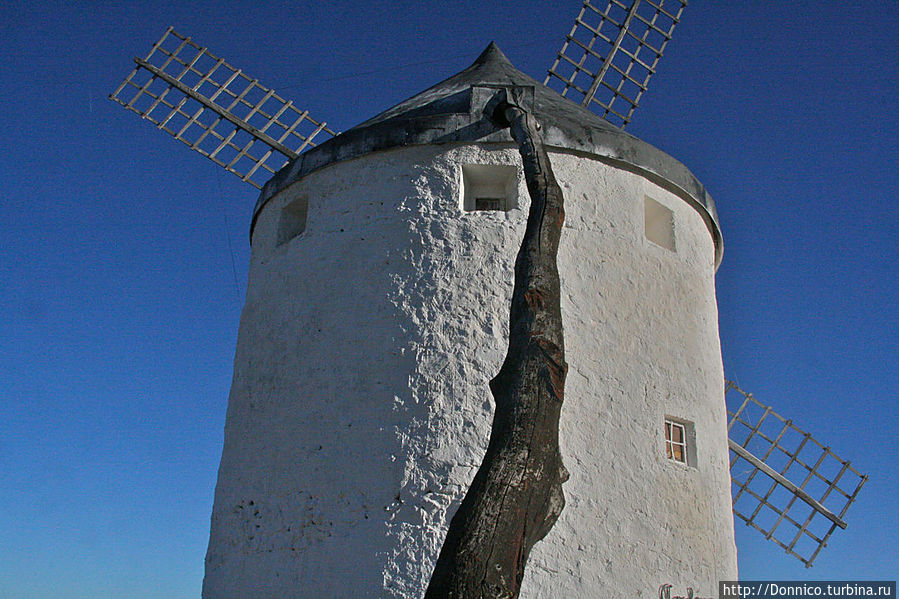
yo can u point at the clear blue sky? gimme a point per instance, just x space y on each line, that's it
120 304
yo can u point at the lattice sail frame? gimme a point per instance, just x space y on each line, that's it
217 110
769 453
601 57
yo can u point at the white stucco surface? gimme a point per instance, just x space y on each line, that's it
359 410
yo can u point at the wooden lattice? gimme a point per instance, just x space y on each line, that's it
217 110
785 484
610 54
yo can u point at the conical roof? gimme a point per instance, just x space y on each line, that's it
453 111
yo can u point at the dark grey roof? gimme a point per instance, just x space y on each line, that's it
453 111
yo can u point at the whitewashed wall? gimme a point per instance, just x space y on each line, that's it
360 410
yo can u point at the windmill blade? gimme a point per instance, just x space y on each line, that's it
786 484
609 56
217 110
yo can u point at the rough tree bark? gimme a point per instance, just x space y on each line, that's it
516 496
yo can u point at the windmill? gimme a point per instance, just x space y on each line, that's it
605 65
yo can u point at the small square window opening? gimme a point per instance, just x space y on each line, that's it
489 203
680 441
489 187
658 223
292 221
675 442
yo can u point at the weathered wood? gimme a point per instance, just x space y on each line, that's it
516 495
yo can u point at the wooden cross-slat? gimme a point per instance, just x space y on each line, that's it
217 110
602 53
755 429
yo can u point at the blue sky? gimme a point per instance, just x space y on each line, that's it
124 259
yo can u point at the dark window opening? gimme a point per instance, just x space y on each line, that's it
489 203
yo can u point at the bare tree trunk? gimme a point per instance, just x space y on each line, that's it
516 496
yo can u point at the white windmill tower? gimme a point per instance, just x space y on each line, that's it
378 308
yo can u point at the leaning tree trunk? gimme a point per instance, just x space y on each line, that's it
516 495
